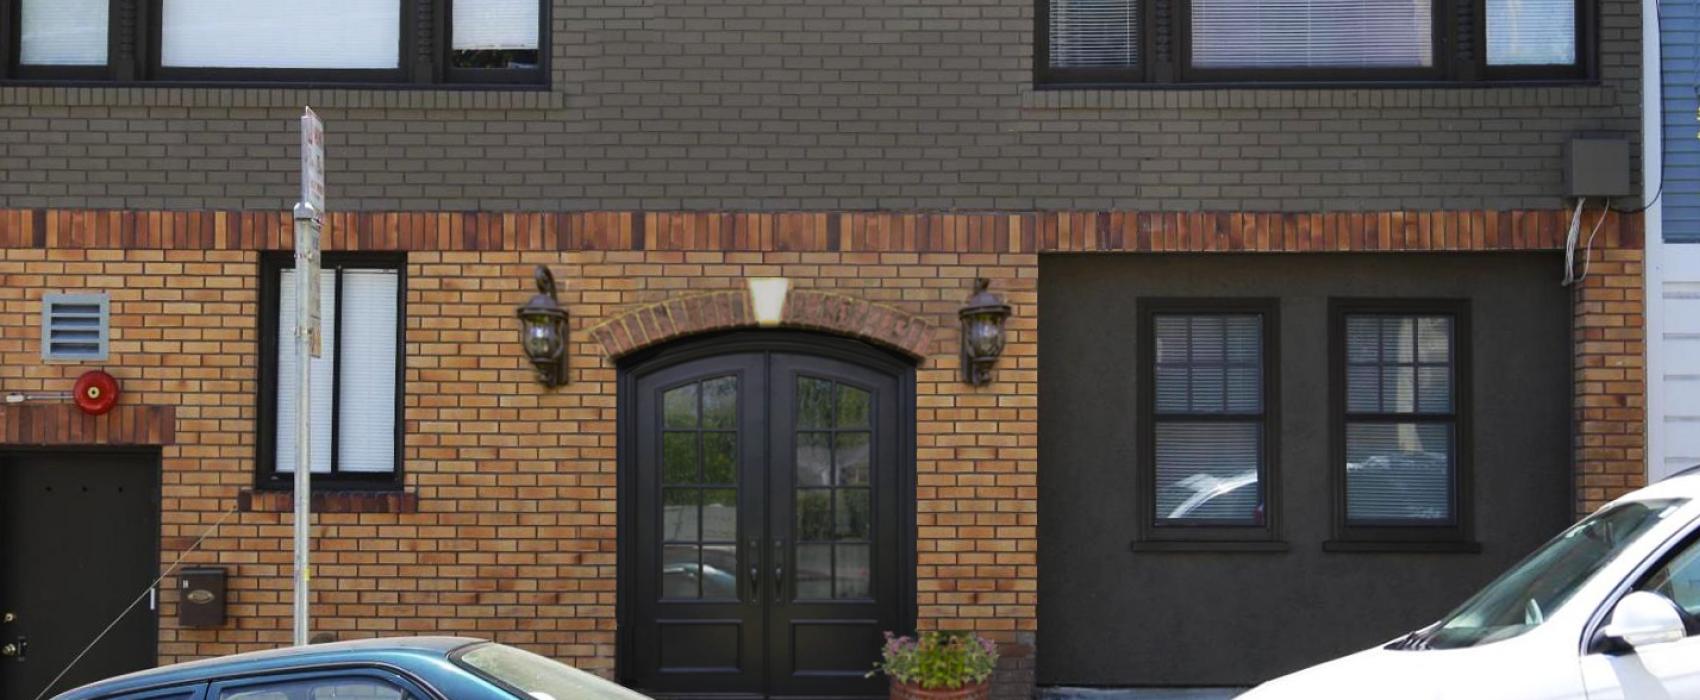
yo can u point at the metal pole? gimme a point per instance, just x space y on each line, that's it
306 238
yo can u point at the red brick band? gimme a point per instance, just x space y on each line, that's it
62 424
654 324
994 232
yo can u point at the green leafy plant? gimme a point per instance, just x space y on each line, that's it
938 660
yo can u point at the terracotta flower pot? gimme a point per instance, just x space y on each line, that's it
911 691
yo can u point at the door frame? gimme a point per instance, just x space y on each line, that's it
638 364
155 459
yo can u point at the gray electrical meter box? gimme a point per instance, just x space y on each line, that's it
1597 167
203 597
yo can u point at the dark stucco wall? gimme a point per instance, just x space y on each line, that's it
816 104
1109 616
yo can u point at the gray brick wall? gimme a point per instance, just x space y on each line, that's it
815 104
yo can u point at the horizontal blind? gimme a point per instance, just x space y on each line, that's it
1207 470
1312 33
1094 33
1209 363
323 368
1399 364
1398 471
367 425
62 32
356 34
495 25
1531 32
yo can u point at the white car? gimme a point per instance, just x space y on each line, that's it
1608 609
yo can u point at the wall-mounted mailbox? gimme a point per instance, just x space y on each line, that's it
202 597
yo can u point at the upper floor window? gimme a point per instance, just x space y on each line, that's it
1163 41
355 390
317 41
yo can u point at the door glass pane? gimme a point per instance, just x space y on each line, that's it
679 407
720 403
719 515
1398 472
679 457
852 407
852 572
719 571
679 571
814 514
851 514
814 571
814 459
719 458
679 515
851 456
814 403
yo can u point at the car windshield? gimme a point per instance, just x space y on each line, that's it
1522 598
536 677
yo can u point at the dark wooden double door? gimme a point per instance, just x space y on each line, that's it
771 537
79 543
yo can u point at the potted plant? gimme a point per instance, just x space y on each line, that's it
938 666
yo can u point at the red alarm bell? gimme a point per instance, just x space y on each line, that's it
96 392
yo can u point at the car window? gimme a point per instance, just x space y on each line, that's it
1678 579
326 688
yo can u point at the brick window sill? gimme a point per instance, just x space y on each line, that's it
254 501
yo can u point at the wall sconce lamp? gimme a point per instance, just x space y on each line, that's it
982 333
543 331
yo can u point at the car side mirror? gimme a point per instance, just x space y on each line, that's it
1644 618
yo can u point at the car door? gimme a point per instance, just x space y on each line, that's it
1669 670
339 684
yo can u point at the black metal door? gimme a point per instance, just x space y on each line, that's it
769 543
79 541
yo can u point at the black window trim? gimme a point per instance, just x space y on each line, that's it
1458 533
417 66
266 476
1451 67
1180 536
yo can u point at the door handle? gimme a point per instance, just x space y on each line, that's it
779 570
755 569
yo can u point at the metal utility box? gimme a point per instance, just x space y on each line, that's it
202 602
1597 167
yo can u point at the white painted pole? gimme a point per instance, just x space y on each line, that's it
305 231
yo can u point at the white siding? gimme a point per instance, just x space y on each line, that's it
1677 363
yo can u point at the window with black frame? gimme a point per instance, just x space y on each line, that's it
1207 411
365 42
1160 41
355 393
1401 386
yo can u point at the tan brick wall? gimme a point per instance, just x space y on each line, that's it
513 536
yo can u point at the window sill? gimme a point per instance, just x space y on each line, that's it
265 501
1060 96
1208 546
1398 547
255 94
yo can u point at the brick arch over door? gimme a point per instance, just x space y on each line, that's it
839 314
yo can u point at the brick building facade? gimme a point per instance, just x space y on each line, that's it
879 155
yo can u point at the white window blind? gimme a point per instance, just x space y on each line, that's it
494 25
1398 366
1208 365
359 34
1094 33
1531 32
1312 33
62 32
323 368
366 441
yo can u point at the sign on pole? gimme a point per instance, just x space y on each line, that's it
308 221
